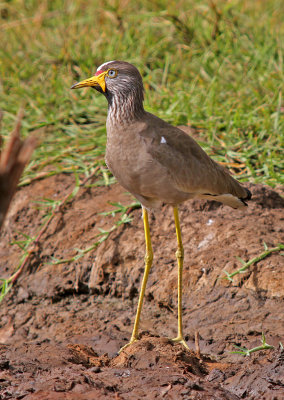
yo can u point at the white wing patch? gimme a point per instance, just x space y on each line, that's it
101 66
163 140
225 198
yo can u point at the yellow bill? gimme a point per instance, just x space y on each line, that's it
96 80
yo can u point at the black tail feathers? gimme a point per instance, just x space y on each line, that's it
248 197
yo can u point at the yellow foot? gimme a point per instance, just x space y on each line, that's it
132 340
180 340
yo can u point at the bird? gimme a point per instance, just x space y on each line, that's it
157 163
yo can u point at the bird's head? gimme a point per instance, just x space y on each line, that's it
122 85
114 78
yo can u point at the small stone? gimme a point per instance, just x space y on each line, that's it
96 369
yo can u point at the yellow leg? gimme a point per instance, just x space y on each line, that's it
148 264
180 257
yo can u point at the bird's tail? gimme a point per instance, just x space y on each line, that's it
228 199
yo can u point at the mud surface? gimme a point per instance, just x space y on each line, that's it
62 324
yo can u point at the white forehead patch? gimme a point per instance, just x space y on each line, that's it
101 66
163 140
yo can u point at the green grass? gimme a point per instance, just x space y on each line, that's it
247 352
254 260
218 68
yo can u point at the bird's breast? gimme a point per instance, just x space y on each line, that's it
127 159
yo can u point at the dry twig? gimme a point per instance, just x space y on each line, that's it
197 347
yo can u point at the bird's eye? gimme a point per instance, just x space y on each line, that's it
112 73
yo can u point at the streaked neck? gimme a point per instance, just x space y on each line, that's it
124 109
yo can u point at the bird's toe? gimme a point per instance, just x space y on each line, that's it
180 340
132 340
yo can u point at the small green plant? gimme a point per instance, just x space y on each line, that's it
4 287
121 209
247 264
104 234
246 352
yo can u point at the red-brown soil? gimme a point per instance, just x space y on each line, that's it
62 325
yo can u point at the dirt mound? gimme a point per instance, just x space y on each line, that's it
62 324
170 371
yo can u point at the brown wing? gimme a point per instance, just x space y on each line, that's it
190 168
